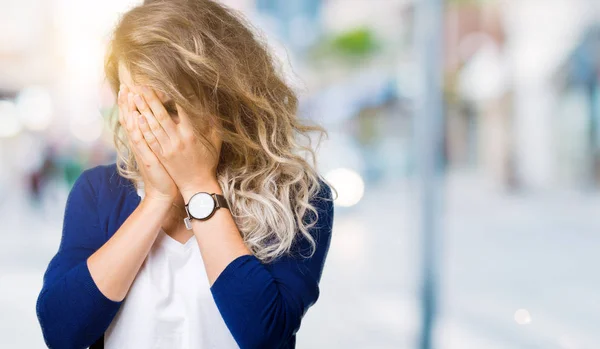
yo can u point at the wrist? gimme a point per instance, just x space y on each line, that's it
158 206
209 186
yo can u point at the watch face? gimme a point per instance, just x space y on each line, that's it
201 205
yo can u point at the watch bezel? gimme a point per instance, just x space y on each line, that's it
214 208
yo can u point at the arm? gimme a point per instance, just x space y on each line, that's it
89 277
261 304
72 311
116 264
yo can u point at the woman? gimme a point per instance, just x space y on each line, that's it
210 231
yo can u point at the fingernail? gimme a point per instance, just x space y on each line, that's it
142 119
130 96
137 99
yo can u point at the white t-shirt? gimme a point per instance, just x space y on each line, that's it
169 305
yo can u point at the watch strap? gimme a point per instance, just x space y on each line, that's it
220 200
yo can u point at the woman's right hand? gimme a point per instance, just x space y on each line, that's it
158 184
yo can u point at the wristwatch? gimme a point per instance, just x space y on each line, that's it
202 206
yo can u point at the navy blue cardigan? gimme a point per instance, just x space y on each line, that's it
262 304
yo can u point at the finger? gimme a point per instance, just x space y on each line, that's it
148 134
150 124
125 120
186 128
129 108
139 142
121 98
160 113
131 124
124 113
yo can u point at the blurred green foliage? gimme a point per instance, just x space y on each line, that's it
358 43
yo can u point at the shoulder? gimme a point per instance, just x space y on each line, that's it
319 223
322 201
103 186
101 174
103 178
103 191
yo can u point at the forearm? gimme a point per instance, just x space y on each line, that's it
261 303
219 239
115 265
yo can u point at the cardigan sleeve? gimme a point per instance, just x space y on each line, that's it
71 310
262 304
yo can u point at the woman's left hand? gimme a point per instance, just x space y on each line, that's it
189 162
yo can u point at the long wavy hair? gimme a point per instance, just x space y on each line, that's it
218 69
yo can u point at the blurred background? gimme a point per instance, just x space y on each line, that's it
503 254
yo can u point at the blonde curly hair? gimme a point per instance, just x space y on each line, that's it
213 64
